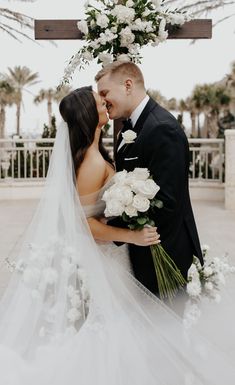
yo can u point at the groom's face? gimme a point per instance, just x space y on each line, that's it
116 95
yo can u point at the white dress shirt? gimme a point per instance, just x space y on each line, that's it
135 115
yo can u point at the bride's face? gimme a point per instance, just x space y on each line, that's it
102 110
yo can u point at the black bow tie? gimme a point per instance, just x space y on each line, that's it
127 125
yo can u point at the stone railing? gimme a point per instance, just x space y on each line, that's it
28 159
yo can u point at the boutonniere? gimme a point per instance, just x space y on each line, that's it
129 136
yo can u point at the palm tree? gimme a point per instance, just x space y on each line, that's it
209 99
19 77
51 95
6 99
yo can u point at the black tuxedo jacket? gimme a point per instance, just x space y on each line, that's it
162 147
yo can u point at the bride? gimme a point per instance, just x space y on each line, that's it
73 313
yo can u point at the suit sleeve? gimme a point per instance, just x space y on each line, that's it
166 151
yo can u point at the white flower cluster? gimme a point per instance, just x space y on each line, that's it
129 136
111 30
205 282
131 193
46 264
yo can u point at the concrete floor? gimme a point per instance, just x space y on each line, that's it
216 227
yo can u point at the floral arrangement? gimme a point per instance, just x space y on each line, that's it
133 197
118 29
205 282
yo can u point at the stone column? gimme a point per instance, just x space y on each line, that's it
230 169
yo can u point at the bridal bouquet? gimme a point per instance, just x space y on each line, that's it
205 282
133 198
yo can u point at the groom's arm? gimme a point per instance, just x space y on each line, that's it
166 151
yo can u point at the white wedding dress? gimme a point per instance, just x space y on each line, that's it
74 314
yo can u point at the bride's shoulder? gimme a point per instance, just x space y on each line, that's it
92 173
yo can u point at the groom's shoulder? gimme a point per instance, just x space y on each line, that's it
161 116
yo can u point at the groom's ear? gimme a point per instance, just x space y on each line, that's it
128 85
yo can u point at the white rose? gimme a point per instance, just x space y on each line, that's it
162 34
131 211
147 188
176 18
123 57
105 58
115 193
193 272
127 195
141 173
82 25
127 37
129 3
114 208
129 136
123 14
205 248
113 29
102 21
103 39
130 179
133 49
110 35
194 289
208 271
138 25
141 203
95 44
120 176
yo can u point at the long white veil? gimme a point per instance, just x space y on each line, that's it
72 315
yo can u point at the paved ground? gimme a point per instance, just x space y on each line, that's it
216 228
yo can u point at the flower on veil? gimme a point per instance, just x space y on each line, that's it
133 198
113 31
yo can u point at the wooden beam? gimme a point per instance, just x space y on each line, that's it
67 29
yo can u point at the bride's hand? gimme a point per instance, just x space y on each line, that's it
146 237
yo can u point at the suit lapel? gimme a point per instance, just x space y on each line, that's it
143 116
137 128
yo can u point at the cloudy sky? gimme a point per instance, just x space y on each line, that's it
173 68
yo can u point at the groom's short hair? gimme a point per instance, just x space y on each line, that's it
122 68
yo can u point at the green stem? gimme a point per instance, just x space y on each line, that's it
169 277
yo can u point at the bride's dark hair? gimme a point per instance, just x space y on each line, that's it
78 109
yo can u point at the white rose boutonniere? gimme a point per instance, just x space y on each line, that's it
129 136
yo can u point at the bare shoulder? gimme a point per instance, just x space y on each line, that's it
92 172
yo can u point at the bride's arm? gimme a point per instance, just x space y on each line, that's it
103 232
95 168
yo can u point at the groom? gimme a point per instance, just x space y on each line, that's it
162 147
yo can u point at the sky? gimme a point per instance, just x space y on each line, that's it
173 68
